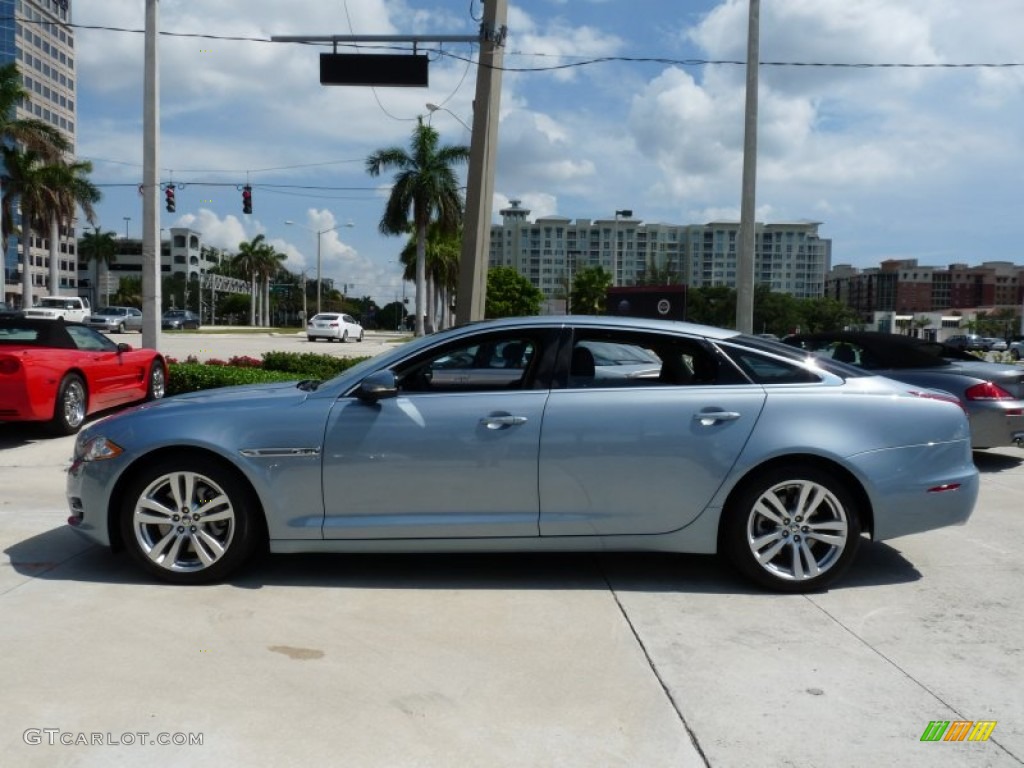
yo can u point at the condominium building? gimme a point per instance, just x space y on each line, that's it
36 35
791 258
906 287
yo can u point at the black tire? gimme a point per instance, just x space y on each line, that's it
311 338
210 537
344 337
71 406
157 387
120 328
769 541
1015 354
360 339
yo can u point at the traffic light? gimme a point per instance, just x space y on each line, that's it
169 194
246 199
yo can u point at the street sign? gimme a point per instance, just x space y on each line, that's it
378 69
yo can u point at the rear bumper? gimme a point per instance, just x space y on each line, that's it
919 488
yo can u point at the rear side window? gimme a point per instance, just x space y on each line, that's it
765 369
611 358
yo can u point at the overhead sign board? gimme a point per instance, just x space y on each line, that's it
378 69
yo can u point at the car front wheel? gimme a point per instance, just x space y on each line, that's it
792 529
70 408
189 521
344 337
157 387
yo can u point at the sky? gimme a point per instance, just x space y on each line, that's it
923 161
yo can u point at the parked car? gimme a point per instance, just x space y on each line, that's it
72 309
1016 348
179 319
334 326
991 393
6 310
775 458
970 342
116 319
994 345
61 372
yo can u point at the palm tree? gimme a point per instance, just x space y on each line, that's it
100 248
32 135
268 263
442 268
257 260
27 181
69 189
425 184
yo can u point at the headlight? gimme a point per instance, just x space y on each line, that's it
97 448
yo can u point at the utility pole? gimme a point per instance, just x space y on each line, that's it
748 214
151 290
483 151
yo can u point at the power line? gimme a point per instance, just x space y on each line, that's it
583 62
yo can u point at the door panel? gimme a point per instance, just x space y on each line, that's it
626 461
460 464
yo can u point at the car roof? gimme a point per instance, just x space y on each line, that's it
41 333
606 321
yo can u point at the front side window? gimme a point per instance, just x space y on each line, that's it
496 362
89 340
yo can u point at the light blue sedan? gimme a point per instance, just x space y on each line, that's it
512 436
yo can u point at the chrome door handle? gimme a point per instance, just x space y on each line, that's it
713 417
501 422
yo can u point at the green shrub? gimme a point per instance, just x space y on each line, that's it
308 365
192 377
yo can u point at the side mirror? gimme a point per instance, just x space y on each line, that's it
122 347
377 386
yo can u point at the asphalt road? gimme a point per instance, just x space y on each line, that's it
554 660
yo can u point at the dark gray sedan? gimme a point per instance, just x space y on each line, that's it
512 436
991 393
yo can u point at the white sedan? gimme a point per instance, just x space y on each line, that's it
334 326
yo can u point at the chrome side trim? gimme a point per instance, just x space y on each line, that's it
264 453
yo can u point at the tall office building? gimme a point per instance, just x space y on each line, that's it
35 34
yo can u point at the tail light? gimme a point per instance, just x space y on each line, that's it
987 390
943 396
9 365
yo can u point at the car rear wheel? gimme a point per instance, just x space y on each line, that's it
157 381
190 521
69 410
360 336
344 336
792 529
120 327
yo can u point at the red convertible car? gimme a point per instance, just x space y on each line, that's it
62 372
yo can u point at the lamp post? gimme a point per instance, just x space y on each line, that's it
615 243
319 263
126 220
432 108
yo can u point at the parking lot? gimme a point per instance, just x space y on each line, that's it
502 660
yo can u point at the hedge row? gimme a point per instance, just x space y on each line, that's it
192 376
